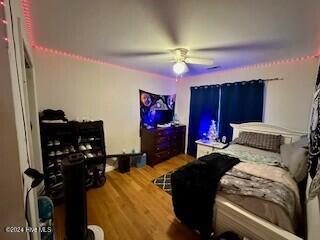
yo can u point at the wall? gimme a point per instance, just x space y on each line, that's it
287 102
96 91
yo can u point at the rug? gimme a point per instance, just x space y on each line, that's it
164 182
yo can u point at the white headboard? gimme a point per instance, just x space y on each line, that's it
258 127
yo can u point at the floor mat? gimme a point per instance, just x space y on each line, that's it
164 182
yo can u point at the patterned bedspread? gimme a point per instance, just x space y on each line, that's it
265 181
241 183
248 154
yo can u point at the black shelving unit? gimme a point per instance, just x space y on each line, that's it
58 140
91 144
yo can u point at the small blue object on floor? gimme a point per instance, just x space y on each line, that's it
139 161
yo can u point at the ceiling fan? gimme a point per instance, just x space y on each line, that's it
182 60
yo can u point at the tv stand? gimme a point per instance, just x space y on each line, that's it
161 144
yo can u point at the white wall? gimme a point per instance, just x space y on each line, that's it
287 102
96 91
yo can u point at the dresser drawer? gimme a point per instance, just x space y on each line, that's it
160 140
164 132
180 130
175 151
156 157
162 146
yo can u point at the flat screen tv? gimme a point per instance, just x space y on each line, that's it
163 117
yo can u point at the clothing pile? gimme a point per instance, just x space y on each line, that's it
53 116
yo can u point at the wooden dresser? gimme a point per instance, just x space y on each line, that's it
162 143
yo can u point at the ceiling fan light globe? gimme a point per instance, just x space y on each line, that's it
179 68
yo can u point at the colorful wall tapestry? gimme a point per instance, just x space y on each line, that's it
156 109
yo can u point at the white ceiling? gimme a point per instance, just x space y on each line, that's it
232 32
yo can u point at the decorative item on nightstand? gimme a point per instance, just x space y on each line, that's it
213 133
205 147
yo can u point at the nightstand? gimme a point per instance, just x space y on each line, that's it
205 147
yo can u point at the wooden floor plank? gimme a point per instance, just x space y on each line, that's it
129 206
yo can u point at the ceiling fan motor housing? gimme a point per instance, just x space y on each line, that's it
180 54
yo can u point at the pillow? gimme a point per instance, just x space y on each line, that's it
298 164
286 150
302 142
266 142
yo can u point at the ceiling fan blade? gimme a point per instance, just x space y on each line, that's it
201 61
213 68
241 47
136 53
192 69
166 13
188 67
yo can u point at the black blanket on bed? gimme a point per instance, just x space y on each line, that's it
194 188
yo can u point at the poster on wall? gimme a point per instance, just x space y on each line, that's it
156 109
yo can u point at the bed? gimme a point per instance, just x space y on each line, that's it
249 216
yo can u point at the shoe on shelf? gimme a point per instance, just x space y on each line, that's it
56 142
58 153
89 155
82 147
72 149
50 143
88 146
51 154
59 184
51 165
91 138
66 151
52 177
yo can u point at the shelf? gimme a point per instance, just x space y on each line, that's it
59 156
84 141
71 134
61 145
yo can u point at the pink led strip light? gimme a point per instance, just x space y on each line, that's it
3 21
96 61
28 21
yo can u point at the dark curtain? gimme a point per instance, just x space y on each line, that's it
204 106
240 102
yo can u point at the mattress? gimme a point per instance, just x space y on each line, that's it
265 165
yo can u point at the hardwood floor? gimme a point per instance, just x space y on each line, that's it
130 206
